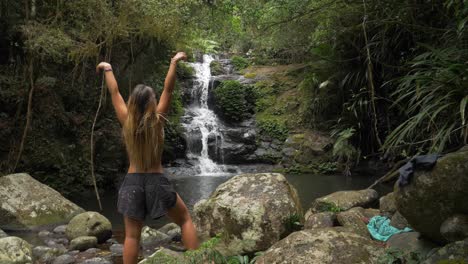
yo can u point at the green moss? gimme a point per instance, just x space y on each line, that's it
272 127
234 101
216 68
239 62
328 207
250 75
185 71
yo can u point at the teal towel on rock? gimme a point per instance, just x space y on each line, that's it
380 229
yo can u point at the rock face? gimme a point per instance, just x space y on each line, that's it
455 228
27 204
305 148
456 252
14 250
323 245
433 196
344 200
89 224
250 210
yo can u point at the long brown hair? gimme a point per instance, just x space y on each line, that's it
143 129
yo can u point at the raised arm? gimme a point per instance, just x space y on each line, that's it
166 96
117 100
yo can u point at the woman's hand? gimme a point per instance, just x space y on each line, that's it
103 66
179 56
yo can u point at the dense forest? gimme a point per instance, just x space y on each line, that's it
386 79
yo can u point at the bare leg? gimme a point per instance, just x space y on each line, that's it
181 216
132 240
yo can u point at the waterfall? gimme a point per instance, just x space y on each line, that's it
201 123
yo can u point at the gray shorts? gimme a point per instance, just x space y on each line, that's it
143 194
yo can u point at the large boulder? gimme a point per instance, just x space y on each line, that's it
89 224
345 200
151 238
354 218
319 220
456 252
410 242
14 250
306 148
323 245
250 210
387 204
433 196
27 204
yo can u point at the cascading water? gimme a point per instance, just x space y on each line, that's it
202 123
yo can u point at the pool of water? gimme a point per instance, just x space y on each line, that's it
194 188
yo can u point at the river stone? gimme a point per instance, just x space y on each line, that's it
410 242
29 205
45 254
89 224
3 234
116 249
14 250
455 228
250 210
319 220
151 237
323 245
345 200
456 252
433 196
388 204
353 219
60 230
97 260
83 243
64 259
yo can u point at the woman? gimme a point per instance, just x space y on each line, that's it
146 189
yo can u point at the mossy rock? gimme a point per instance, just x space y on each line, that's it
433 196
14 250
28 204
89 224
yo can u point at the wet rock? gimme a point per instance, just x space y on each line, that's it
151 238
14 250
410 242
319 220
64 259
433 196
455 228
455 252
28 204
388 204
3 234
116 249
83 243
324 246
89 224
399 221
46 254
345 200
250 210
60 230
